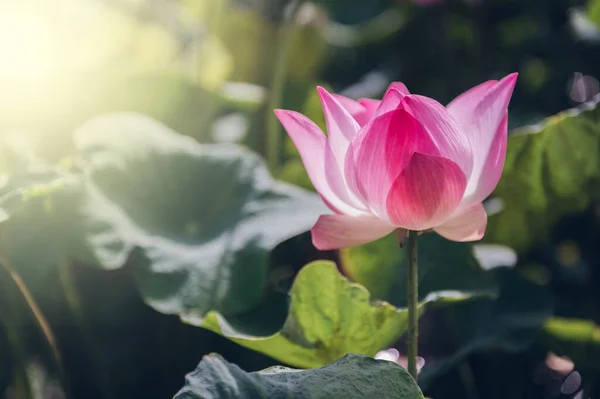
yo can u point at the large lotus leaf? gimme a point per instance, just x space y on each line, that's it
352 376
577 339
510 322
204 217
329 317
552 170
444 266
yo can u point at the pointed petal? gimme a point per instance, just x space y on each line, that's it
351 105
362 110
399 87
490 119
481 121
359 112
311 142
426 193
341 126
338 119
390 102
340 231
380 152
462 107
468 226
492 168
445 132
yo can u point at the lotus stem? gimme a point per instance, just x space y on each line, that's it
41 320
413 298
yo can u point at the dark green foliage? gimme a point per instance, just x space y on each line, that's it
350 377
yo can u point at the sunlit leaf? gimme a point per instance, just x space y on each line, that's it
329 316
352 376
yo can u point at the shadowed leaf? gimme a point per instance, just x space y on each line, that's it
352 376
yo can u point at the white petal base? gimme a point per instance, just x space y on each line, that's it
341 231
469 225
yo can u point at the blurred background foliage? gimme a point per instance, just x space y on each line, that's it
116 228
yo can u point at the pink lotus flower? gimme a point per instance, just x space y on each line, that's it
405 162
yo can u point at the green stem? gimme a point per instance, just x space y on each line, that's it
41 320
16 350
413 298
273 136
